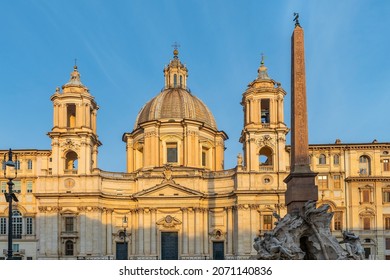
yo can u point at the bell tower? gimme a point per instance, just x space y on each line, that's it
264 133
73 137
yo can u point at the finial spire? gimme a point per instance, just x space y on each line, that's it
175 46
263 75
296 19
74 77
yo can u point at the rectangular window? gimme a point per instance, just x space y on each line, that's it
366 223
16 188
336 181
386 165
17 226
338 218
29 186
69 224
204 156
15 247
387 243
386 196
267 222
336 159
3 186
29 225
387 223
366 196
29 164
3 225
322 181
171 152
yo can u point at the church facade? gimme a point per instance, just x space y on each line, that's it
176 200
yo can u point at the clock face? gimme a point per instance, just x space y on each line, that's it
69 183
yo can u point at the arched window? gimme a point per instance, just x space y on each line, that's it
364 166
265 156
17 224
181 80
69 248
71 115
71 162
322 159
175 80
265 111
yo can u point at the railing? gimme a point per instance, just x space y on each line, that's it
219 174
18 252
70 171
116 175
266 168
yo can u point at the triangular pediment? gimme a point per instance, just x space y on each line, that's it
168 189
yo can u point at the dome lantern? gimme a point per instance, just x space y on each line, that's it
175 73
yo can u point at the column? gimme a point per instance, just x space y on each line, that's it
88 115
191 231
109 231
64 112
140 231
229 230
134 239
83 236
253 227
153 232
55 115
42 232
197 230
184 238
147 231
206 231
79 114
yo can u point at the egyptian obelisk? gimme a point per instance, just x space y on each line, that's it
301 180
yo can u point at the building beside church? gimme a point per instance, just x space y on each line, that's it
176 200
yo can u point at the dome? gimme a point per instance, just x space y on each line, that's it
176 103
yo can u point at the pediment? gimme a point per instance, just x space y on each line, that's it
168 189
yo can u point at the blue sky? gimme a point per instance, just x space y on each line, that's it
122 46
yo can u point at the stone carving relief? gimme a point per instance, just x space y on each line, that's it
70 145
306 236
168 173
69 183
48 209
169 222
89 209
266 140
217 234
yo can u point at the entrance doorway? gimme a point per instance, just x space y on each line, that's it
169 246
218 250
121 251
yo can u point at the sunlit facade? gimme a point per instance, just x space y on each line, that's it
176 200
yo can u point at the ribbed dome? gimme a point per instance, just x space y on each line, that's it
176 103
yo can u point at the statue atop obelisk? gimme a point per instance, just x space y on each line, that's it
301 180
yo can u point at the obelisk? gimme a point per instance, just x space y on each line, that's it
301 180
